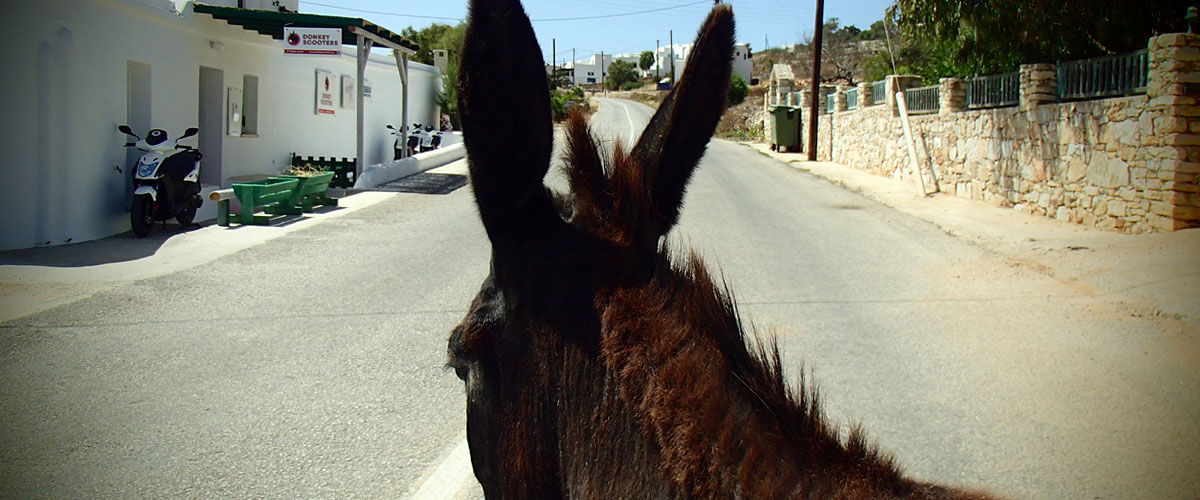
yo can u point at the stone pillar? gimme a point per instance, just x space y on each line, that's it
1171 135
898 83
822 102
952 96
864 94
839 98
1039 85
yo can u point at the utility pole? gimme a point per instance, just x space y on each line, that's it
816 82
671 50
656 65
573 82
554 62
603 80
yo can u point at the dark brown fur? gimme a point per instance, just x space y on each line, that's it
596 365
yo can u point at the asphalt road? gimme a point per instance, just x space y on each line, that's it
310 366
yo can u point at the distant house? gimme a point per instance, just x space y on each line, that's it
742 63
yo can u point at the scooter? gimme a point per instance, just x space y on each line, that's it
414 139
430 139
397 152
166 180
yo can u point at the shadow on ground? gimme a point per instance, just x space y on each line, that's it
117 248
425 183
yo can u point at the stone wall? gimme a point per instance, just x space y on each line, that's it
1127 163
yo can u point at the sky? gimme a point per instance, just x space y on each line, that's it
631 26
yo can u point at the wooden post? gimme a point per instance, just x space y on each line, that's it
402 66
912 148
816 83
364 52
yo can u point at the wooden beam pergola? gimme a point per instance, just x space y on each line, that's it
360 33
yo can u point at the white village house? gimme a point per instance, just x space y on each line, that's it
742 64
78 68
593 70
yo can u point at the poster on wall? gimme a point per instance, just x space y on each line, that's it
235 111
366 88
312 41
326 90
348 97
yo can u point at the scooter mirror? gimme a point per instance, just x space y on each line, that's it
190 132
391 127
126 130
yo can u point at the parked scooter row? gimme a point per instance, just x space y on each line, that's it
166 180
422 140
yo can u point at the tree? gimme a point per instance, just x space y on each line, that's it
447 98
983 36
620 72
646 60
435 36
738 90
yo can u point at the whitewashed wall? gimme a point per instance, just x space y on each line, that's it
65 91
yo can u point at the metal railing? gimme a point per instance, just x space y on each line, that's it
879 92
829 104
923 99
852 99
1104 76
994 91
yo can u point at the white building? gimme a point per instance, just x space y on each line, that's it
742 65
78 68
590 70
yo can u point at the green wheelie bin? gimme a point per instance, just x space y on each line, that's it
786 134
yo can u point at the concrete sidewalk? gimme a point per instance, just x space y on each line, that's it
37 279
1156 274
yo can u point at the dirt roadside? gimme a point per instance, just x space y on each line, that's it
1154 274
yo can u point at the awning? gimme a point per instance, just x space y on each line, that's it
356 31
271 23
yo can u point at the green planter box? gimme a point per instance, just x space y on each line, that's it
309 192
258 193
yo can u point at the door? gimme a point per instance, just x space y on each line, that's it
212 109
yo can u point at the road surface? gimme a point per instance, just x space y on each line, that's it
310 366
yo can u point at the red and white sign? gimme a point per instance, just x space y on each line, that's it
312 41
327 89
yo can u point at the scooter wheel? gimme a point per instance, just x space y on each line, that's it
186 214
141 215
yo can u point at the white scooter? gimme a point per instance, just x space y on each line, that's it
166 180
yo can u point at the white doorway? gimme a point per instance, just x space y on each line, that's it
212 107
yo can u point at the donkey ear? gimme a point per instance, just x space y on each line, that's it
505 108
676 136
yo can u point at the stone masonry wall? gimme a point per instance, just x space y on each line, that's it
1128 163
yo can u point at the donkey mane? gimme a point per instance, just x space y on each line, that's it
677 340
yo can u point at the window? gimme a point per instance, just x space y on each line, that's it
249 105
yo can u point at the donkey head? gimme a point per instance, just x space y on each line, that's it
537 318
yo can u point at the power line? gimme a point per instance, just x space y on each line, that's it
383 13
580 18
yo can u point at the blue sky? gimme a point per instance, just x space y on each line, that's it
776 22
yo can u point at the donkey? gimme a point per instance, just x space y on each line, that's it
596 364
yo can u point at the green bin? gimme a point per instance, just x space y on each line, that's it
786 134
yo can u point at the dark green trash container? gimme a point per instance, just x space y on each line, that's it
786 135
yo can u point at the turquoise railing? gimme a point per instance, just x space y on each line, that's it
923 99
1104 76
852 99
994 91
879 92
